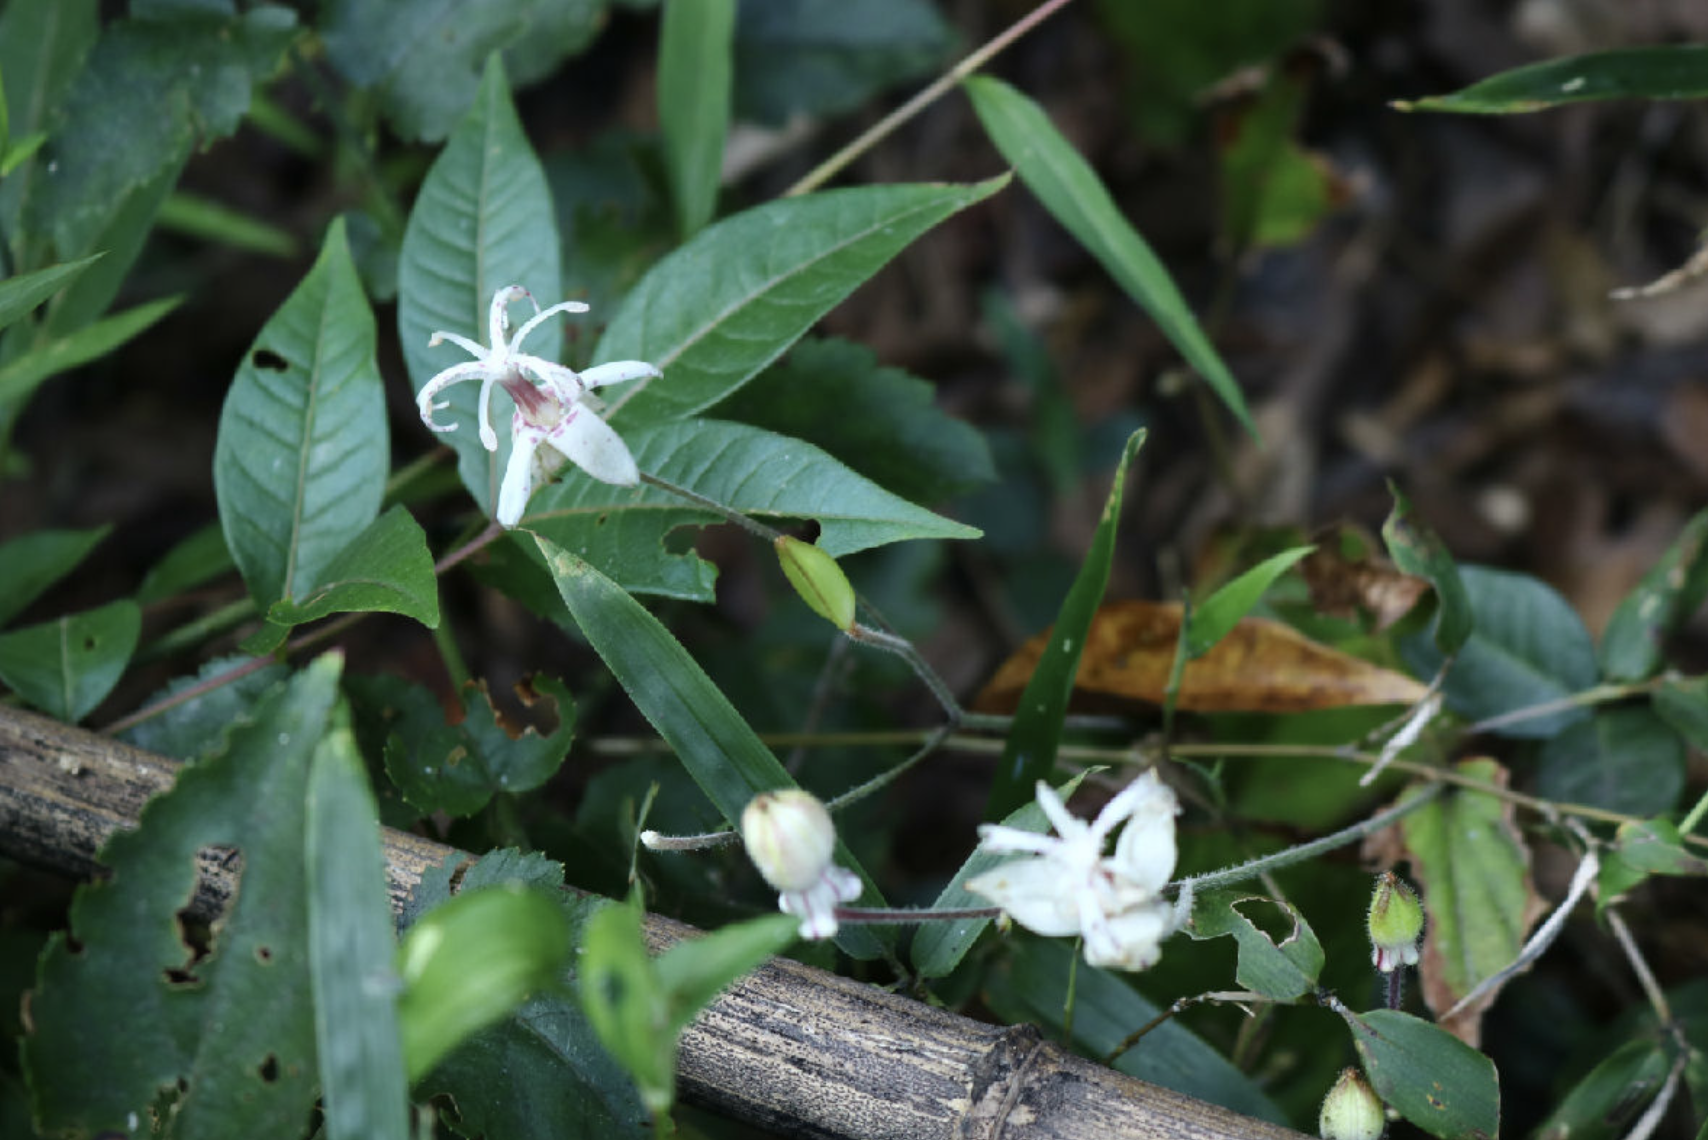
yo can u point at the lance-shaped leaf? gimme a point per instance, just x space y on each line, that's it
67 666
1675 71
1029 753
1215 617
18 295
723 754
235 1024
1474 870
731 301
1067 186
693 103
28 372
622 530
482 221
363 1092
1430 1077
31 563
299 467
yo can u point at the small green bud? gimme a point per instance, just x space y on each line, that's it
789 837
1396 920
1351 1111
818 580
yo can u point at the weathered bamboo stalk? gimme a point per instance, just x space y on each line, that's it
794 1049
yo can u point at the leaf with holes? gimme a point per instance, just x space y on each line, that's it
458 768
67 666
31 563
716 311
300 463
622 530
228 1012
482 221
1283 965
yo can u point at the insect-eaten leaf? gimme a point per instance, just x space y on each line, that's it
1344 579
1261 666
456 768
1282 965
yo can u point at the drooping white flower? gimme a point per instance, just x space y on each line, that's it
1067 885
791 839
553 407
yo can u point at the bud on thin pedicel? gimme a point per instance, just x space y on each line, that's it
1396 920
818 580
1351 1111
789 837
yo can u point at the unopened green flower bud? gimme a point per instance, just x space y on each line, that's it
1396 920
789 837
818 580
1351 1111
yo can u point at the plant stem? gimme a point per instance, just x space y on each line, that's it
901 916
886 126
1599 694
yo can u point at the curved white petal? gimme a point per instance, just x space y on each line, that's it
460 341
1033 893
1145 852
455 374
1001 838
594 446
518 474
498 319
1131 940
533 322
618 371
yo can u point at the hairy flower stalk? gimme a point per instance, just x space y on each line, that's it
556 418
1067 886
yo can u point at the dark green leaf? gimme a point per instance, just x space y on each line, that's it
208 220
24 375
1642 848
300 464
1528 648
733 299
18 295
482 222
1030 983
364 1095
693 104
457 768
1429 1076
151 90
200 558
1684 705
725 757
471 960
1029 754
198 726
1419 551
385 569
42 47
1475 873
622 530
236 1025
1074 195
1675 71
33 562
938 947
426 62
815 58
67 666
1665 599
1215 617
539 1074
121 235
901 440
1282 968
1606 1103
1626 760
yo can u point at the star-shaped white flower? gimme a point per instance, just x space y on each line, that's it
553 407
1067 886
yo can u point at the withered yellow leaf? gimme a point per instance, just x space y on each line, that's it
1262 666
